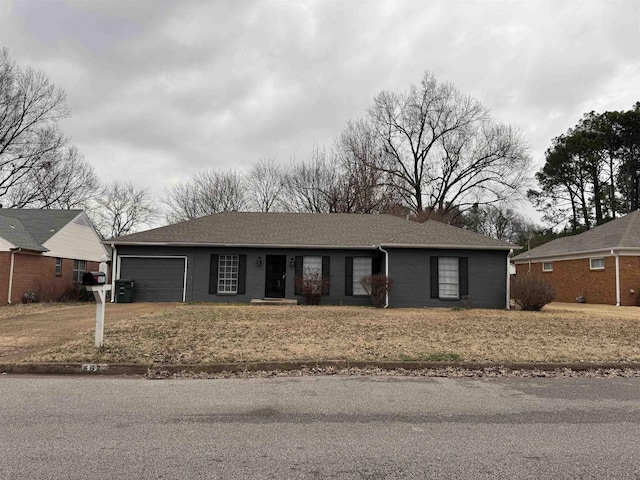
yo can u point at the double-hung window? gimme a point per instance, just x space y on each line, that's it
228 273
58 267
312 270
449 277
547 266
596 263
361 269
79 269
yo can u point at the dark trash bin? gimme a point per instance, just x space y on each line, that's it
124 291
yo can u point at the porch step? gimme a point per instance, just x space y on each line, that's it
273 301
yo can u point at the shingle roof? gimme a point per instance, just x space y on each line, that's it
30 229
328 230
621 233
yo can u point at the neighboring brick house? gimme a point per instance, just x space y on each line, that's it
45 251
601 265
244 256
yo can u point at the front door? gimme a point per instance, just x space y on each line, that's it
276 267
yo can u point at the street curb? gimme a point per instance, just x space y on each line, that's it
120 369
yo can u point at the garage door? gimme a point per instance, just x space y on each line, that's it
156 279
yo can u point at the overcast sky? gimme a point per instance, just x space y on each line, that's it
160 90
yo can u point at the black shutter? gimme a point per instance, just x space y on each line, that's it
298 273
375 266
326 274
242 274
348 277
213 274
435 287
463 275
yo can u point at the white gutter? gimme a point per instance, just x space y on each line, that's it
386 272
509 279
617 277
11 276
115 271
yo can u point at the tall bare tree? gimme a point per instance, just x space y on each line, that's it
442 150
63 179
121 208
206 193
265 183
30 140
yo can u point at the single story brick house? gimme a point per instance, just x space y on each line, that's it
601 265
240 256
45 251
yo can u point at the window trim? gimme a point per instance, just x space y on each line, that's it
550 264
591 267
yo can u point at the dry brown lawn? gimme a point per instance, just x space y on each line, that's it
209 333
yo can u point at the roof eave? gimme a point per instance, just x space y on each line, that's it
524 258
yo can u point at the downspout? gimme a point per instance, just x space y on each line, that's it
617 277
386 272
114 271
11 277
509 279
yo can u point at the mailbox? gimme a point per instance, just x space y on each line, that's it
94 278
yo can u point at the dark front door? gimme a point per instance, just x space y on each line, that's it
276 276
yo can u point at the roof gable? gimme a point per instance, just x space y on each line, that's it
30 229
621 233
327 230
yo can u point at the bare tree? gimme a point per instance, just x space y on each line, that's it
312 186
121 208
62 179
206 193
265 183
30 109
441 149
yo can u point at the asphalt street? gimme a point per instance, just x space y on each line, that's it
319 428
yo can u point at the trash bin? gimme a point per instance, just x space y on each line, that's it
124 291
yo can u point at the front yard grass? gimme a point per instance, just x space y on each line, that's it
209 333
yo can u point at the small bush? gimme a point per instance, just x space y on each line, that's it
312 287
531 291
76 293
377 287
30 296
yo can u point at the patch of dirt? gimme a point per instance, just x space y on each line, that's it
27 330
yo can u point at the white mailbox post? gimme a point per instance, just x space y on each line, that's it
100 293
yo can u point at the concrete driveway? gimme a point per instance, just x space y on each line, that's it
28 329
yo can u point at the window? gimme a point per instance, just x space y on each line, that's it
596 263
58 267
547 266
228 274
361 268
312 267
79 268
448 277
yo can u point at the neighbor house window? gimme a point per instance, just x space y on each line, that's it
596 263
448 277
547 266
361 269
228 274
58 267
79 269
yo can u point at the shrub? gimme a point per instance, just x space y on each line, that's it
377 287
30 296
312 287
531 291
76 293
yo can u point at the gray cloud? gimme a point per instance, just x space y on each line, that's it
162 89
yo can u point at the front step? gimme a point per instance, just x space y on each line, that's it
273 301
